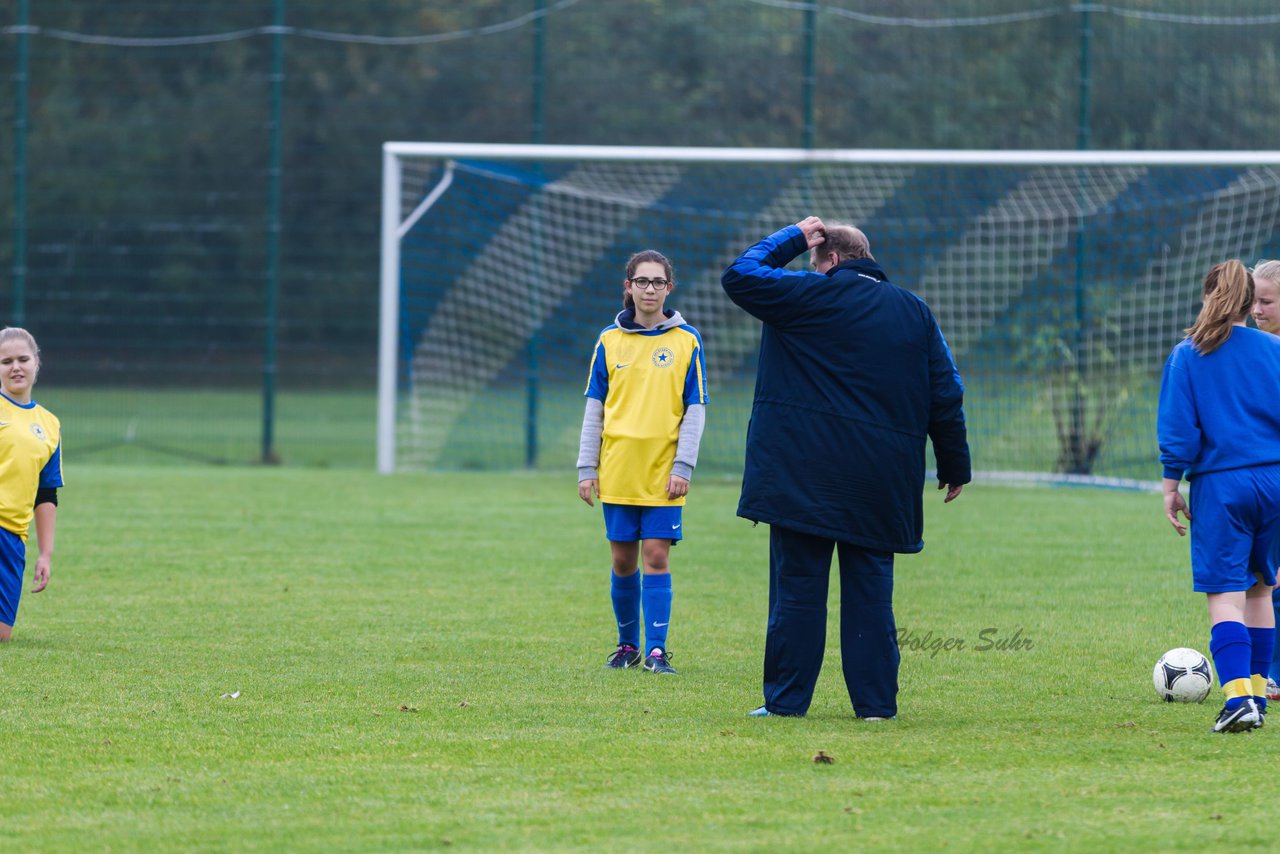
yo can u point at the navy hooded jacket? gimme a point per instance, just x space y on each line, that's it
854 375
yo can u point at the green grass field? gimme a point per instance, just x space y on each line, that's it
418 661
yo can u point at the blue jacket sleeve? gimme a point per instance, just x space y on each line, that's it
757 282
1177 425
946 412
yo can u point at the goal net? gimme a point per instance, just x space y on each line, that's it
1061 280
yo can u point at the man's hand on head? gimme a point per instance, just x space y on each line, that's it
815 233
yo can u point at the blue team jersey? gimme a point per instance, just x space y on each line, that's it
1217 411
645 379
30 459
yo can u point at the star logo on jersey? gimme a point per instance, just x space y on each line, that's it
663 357
38 431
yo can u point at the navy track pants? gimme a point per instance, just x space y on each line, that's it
799 573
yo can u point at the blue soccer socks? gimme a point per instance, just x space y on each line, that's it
1230 644
1263 641
637 593
657 609
1274 672
626 607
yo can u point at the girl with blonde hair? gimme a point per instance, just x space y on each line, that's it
30 472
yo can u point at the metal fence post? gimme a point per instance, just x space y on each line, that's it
20 166
272 273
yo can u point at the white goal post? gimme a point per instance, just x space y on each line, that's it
1061 278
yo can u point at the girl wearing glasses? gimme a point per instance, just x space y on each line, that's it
646 398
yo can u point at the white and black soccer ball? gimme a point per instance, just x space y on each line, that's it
1182 675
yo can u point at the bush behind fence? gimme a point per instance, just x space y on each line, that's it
143 138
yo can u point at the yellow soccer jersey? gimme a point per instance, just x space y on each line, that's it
30 458
645 378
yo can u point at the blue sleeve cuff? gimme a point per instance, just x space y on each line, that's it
793 232
1172 473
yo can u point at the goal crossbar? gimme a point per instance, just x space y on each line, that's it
709 154
982 241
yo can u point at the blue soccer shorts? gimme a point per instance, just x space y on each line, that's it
13 561
1235 514
629 523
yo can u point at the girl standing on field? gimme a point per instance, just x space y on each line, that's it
646 398
30 472
1266 313
1218 424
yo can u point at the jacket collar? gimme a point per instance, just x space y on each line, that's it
862 267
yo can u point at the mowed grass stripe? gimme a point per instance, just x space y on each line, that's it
419 667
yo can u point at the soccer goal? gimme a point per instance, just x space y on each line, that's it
1061 280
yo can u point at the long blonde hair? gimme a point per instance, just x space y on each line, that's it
1228 294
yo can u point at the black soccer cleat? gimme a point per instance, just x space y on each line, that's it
659 661
1242 718
623 657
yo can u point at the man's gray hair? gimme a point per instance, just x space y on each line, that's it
847 241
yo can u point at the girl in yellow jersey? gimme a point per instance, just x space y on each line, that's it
30 472
646 398
1266 313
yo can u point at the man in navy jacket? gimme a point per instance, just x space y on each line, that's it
853 376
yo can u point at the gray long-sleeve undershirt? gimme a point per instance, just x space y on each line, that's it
695 418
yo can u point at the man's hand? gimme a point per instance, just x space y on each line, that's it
815 233
953 491
586 488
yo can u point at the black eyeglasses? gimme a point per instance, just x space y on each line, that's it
646 284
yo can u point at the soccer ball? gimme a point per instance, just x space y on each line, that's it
1182 676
